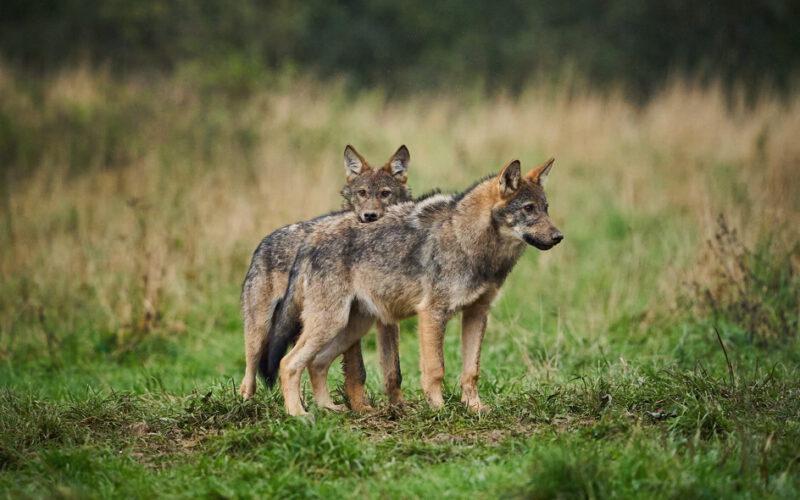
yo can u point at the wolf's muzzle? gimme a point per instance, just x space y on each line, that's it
555 239
369 216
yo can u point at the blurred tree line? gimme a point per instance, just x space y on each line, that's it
408 45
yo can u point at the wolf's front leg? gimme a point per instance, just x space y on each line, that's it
473 326
388 340
355 378
431 357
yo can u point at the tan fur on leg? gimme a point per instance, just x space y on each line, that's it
473 327
388 345
320 328
318 373
355 377
431 335
259 311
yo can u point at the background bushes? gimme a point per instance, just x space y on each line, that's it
417 44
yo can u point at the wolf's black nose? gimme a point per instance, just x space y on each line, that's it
370 216
557 237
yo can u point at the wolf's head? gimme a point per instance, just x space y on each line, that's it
369 190
520 210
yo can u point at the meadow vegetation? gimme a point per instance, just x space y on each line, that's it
653 354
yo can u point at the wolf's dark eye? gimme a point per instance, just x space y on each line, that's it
362 192
528 208
385 193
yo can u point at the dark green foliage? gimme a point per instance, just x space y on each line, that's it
417 44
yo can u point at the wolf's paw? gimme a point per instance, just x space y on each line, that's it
247 390
363 409
396 399
335 407
297 412
436 403
478 407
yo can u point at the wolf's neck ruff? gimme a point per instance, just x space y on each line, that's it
474 238
478 233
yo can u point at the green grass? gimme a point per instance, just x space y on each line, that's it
644 410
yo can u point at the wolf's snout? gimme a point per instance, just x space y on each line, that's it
556 236
369 216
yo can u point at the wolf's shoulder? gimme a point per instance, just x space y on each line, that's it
429 209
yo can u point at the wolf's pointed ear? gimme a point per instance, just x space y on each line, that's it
508 180
354 163
398 164
539 174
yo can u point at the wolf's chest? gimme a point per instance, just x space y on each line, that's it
459 292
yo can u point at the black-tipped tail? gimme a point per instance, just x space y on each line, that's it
285 329
262 361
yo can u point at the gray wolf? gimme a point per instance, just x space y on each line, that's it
367 192
432 258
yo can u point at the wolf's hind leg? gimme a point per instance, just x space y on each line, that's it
257 313
348 342
321 325
388 340
318 373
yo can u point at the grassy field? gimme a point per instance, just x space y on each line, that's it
653 354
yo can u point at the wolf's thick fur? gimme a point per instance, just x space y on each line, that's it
367 193
433 258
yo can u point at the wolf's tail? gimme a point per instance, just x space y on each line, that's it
284 329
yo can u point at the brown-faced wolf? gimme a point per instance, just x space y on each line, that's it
432 257
366 194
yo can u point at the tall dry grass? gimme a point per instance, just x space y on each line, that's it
130 204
